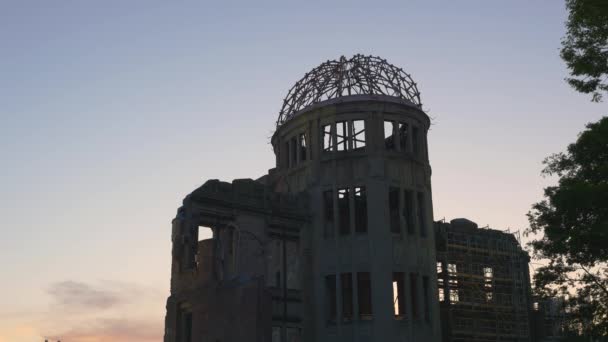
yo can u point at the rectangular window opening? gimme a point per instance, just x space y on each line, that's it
389 135
341 136
414 294
427 299
441 294
303 147
184 323
294 151
403 136
344 211
360 210
453 283
488 276
292 265
364 295
358 134
425 147
454 298
439 267
399 295
328 211
409 211
205 233
188 327
328 141
201 257
393 206
415 141
346 283
276 334
330 288
274 264
293 334
488 273
421 214
230 241
286 157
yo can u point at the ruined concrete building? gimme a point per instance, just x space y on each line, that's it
484 284
336 243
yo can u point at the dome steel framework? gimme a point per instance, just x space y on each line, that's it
360 75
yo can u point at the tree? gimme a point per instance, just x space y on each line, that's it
573 221
585 47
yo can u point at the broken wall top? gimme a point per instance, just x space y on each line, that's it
250 195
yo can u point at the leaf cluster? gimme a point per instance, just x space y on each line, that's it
573 222
585 46
574 214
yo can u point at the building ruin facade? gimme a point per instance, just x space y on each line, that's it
336 242
484 284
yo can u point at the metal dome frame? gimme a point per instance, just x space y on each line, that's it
360 75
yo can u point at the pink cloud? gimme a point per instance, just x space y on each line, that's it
115 330
78 295
104 311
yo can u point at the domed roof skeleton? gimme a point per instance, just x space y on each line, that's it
360 75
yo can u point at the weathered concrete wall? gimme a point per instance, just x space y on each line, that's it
220 286
268 261
378 251
224 313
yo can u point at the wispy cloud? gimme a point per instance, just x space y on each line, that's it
115 330
104 311
77 295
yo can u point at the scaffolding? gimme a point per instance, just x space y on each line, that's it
483 279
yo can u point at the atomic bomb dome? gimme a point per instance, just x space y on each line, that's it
359 75
336 243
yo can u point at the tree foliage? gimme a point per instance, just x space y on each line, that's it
585 46
573 222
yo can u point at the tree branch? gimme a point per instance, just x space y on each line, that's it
595 280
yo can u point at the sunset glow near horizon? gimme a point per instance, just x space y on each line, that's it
113 111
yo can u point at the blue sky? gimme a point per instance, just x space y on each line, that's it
112 111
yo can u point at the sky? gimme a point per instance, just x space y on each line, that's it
112 111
